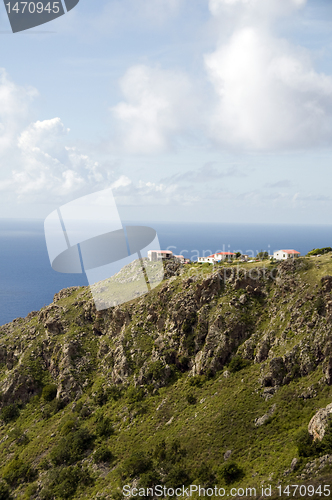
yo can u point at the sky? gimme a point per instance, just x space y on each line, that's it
204 110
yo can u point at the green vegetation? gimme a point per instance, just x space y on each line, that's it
9 413
49 392
319 251
158 390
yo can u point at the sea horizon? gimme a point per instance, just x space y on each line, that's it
27 281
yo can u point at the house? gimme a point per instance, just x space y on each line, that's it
285 254
181 259
223 256
210 259
217 257
154 255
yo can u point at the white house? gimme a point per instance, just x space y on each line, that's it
154 255
285 254
217 257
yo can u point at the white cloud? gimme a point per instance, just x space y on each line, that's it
268 93
14 106
45 169
263 8
158 105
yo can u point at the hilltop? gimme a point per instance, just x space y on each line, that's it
212 378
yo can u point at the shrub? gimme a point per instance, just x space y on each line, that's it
100 397
319 305
102 454
65 481
230 472
206 476
321 251
4 492
68 427
156 370
137 464
9 413
149 479
196 381
170 453
49 392
135 394
305 444
104 427
114 392
191 399
71 448
237 363
17 471
177 476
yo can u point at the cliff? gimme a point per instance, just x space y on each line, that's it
212 378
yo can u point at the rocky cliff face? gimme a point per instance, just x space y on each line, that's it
191 324
198 324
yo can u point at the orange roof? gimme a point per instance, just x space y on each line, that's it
289 251
225 253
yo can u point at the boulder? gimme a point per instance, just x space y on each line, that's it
319 421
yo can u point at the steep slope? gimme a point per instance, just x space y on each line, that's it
220 368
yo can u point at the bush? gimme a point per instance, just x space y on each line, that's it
206 476
65 481
149 479
103 454
68 427
237 363
49 392
4 492
305 444
17 471
320 251
196 381
71 448
9 413
100 397
170 453
231 472
156 370
135 395
137 464
319 305
104 427
177 476
191 399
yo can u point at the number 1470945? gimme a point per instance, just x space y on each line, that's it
33 7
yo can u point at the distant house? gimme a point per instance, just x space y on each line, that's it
181 259
285 254
217 257
154 255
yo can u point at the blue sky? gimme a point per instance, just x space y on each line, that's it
206 110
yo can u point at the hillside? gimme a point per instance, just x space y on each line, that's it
208 380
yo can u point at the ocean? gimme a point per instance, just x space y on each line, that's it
27 281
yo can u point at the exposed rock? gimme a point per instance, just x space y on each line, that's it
261 420
294 464
66 292
227 454
319 421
